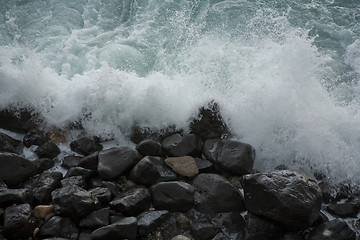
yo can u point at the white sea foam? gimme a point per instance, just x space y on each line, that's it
155 63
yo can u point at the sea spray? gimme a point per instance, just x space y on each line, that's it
285 75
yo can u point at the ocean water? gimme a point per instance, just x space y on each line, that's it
285 73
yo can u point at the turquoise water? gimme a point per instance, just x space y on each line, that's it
285 73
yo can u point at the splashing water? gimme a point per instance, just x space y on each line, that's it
284 74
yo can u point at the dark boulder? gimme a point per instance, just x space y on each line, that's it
344 210
96 219
73 202
222 236
288 197
15 169
177 146
209 124
70 161
85 146
204 166
336 229
8 144
35 137
14 196
262 228
233 222
231 156
149 147
123 229
47 150
104 195
115 161
18 222
74 180
17 120
59 227
151 220
79 171
90 161
43 164
151 170
214 194
173 196
132 202
42 185
204 229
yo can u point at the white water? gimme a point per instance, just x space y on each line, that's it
286 77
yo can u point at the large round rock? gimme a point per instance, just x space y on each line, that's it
232 156
173 196
288 197
73 202
115 161
214 194
15 169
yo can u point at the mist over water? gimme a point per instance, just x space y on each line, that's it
285 73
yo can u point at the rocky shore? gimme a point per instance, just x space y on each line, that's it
197 184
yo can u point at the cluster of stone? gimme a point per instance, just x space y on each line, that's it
197 185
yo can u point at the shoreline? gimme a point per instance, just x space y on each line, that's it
177 186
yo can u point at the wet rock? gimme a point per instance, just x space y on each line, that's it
14 196
115 161
291 236
104 195
233 222
79 171
209 124
96 219
42 211
149 147
42 185
204 166
221 236
47 150
18 223
182 222
17 120
15 169
151 220
73 202
336 229
151 170
74 180
214 194
262 228
231 156
59 227
90 161
185 166
123 229
84 235
204 230
85 146
132 201
344 210
177 146
70 161
181 237
8 144
173 196
35 137
43 164
291 198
